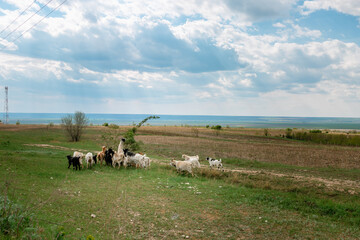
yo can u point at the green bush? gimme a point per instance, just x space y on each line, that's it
217 127
130 142
325 138
105 124
113 126
288 133
266 132
15 222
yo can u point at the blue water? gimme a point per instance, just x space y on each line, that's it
195 120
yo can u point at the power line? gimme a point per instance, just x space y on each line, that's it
35 24
18 17
26 20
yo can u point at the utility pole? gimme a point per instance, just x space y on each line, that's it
6 105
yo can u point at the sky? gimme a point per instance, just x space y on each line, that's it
192 57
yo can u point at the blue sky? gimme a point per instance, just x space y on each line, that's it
226 57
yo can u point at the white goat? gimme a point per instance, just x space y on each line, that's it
215 163
121 145
182 166
118 158
137 160
89 158
193 159
80 155
146 162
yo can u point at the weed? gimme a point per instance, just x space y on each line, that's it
195 131
60 233
14 220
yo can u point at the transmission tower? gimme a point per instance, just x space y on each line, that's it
6 105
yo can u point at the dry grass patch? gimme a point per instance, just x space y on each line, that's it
296 153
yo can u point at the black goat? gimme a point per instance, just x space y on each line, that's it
75 161
127 153
94 158
108 156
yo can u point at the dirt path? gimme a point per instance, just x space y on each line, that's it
352 187
57 147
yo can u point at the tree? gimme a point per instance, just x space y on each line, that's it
145 120
130 134
111 136
74 125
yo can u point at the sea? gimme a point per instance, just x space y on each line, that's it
195 120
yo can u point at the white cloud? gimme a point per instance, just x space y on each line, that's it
226 82
158 50
246 82
12 66
279 25
305 32
351 7
203 95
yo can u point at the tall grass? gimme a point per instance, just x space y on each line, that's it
325 138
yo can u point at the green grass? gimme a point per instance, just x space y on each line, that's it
159 203
331 172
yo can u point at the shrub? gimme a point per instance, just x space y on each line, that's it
130 140
130 134
105 124
15 222
315 131
17 122
113 126
74 125
288 133
266 132
217 127
111 137
326 138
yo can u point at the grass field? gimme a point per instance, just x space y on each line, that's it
273 188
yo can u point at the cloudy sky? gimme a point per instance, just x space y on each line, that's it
203 57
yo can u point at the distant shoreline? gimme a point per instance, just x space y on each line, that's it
195 120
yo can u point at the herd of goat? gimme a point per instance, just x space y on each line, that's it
123 157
